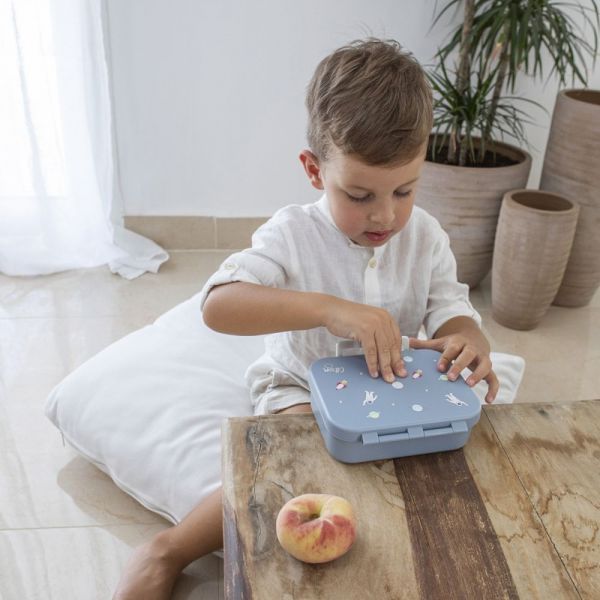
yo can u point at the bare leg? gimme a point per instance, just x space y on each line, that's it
154 567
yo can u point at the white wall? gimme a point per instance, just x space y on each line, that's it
209 95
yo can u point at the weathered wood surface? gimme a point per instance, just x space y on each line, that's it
510 517
555 451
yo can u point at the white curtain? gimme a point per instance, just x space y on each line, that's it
59 205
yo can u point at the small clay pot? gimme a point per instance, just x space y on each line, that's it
533 242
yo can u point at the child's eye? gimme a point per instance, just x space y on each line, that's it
369 196
359 198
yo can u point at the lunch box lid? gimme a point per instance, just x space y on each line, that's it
357 407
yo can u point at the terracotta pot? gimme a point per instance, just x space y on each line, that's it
572 169
533 242
466 201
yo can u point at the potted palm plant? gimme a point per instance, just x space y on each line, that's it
469 166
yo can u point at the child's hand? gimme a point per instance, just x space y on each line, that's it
460 350
375 329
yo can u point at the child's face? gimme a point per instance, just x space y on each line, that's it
368 203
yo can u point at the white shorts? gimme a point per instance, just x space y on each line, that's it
275 390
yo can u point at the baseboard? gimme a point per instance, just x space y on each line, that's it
196 233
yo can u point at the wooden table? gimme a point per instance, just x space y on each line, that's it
515 514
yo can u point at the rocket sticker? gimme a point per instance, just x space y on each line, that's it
454 400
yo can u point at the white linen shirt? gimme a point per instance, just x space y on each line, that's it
412 276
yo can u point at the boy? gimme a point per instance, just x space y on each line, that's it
362 263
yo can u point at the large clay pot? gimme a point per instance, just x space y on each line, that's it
572 169
466 201
533 242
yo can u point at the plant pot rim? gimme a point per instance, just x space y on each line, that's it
513 152
587 96
509 197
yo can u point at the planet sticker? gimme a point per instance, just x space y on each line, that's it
407 358
397 385
373 415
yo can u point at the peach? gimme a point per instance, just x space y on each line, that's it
316 528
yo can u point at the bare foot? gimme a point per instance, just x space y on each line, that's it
150 572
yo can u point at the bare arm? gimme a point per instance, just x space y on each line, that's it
241 308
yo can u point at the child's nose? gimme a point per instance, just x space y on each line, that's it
383 213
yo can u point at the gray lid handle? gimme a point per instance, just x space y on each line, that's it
352 348
348 348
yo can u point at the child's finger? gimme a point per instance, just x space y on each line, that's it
464 359
370 350
482 369
384 356
436 344
397 362
493 387
448 355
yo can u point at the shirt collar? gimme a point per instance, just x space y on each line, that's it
323 206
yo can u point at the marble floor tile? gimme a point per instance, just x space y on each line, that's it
42 479
46 484
66 530
562 354
98 293
37 353
76 563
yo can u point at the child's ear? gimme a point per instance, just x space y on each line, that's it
311 165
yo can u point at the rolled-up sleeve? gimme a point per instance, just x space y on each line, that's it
263 264
447 297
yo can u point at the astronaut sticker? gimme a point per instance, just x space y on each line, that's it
417 374
370 397
341 384
454 400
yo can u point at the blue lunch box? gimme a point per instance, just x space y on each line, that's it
362 418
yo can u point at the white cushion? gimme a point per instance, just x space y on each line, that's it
148 409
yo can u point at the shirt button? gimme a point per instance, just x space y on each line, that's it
373 263
229 266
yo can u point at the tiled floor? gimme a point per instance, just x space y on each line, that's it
65 529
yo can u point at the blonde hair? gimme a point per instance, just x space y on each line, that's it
370 99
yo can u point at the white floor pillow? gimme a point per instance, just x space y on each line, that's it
148 409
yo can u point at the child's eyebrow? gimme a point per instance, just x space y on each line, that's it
362 189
